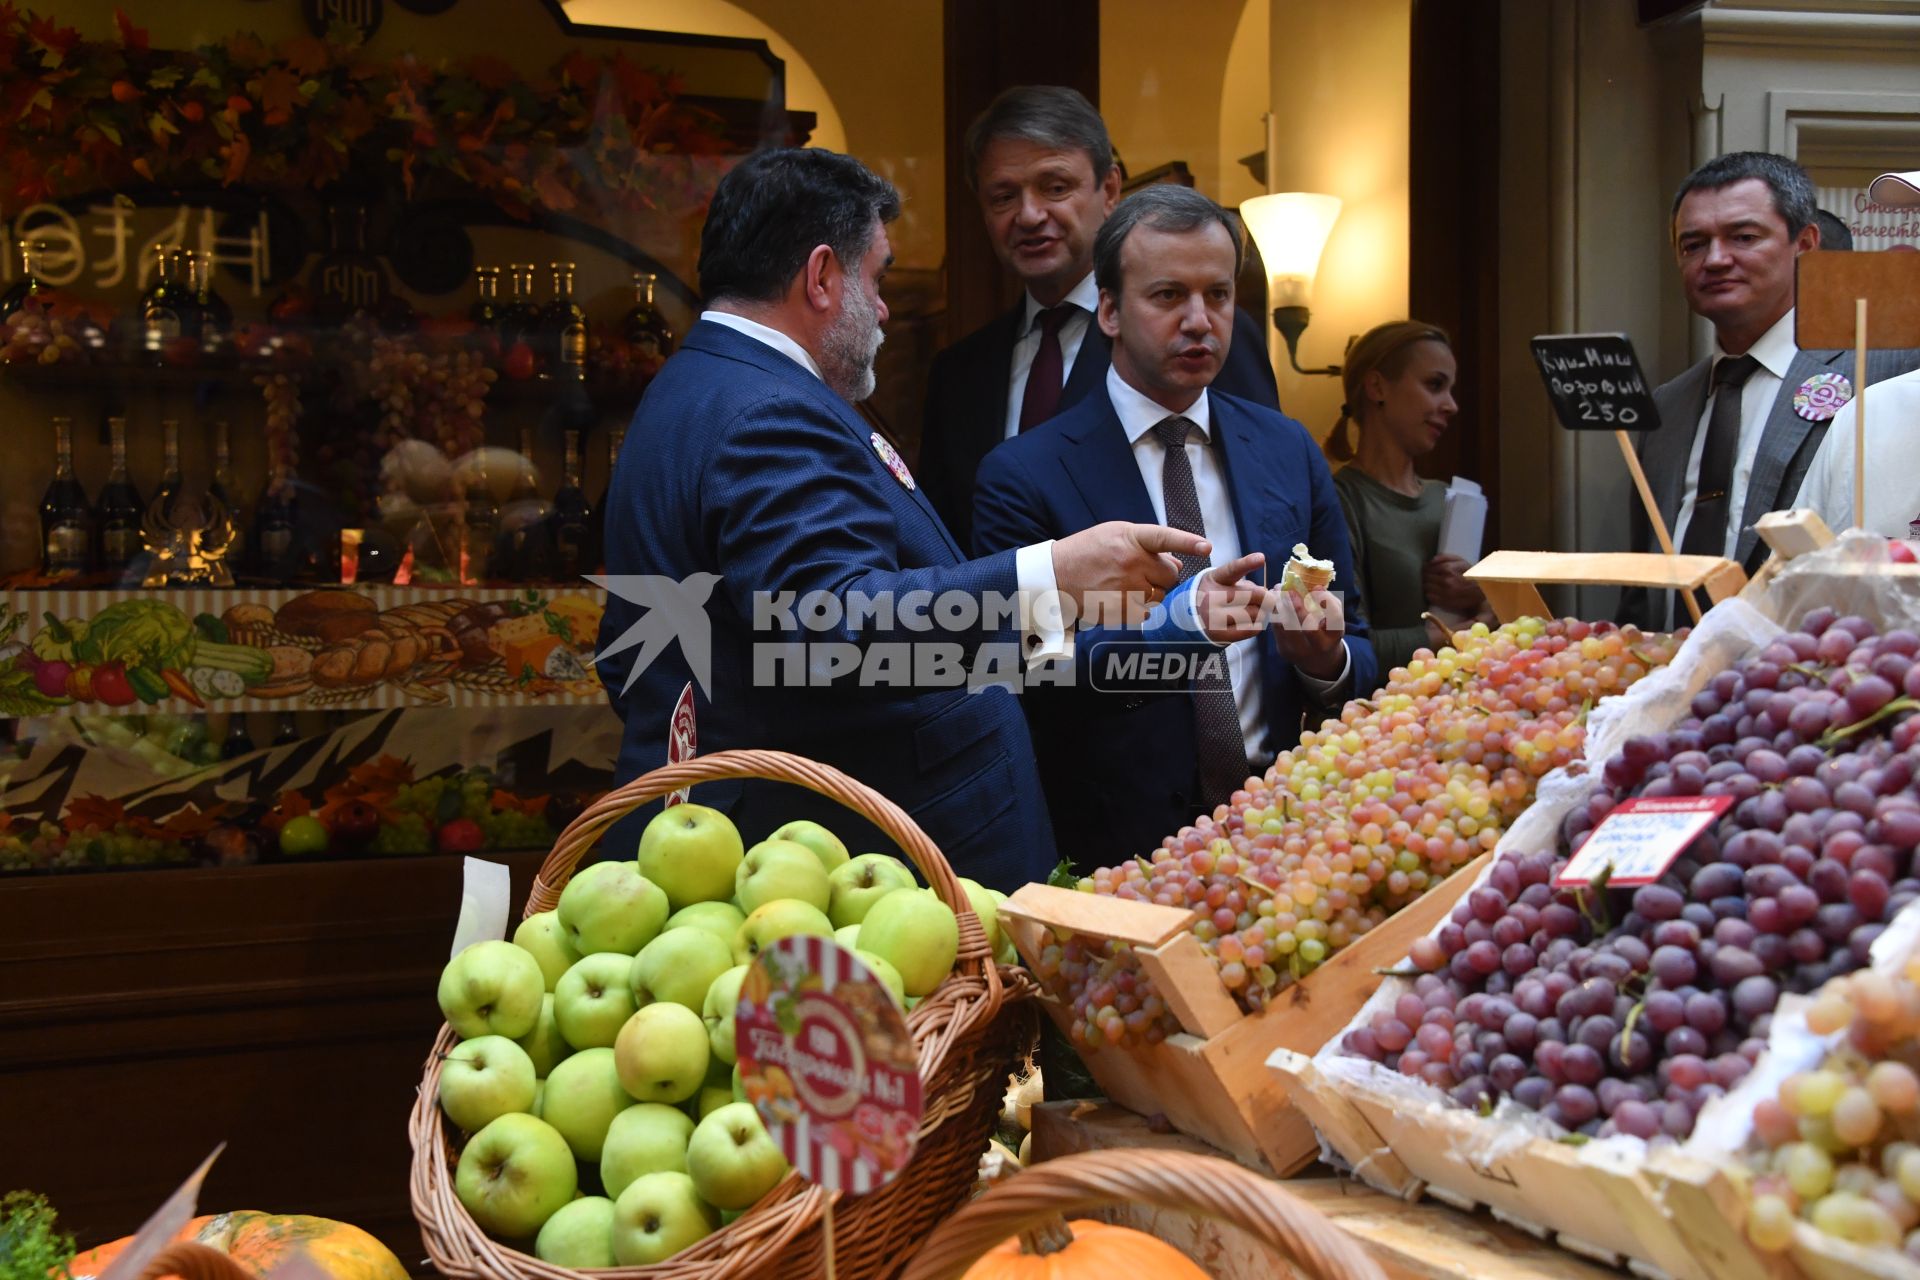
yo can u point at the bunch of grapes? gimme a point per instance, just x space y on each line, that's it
34 334
1628 1011
1840 1145
282 394
119 846
514 829
406 833
438 397
420 797
24 848
1361 818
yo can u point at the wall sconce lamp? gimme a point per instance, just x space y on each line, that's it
1291 229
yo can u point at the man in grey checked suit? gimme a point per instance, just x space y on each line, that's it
1740 428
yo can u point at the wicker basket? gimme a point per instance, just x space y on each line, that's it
970 1032
191 1260
1206 1186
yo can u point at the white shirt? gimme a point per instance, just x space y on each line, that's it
1138 417
1032 566
1085 299
1893 456
1775 351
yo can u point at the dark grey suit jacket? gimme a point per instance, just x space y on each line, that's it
1787 446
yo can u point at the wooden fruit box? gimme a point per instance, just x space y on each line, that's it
1669 1215
1821 1257
1511 579
1211 1079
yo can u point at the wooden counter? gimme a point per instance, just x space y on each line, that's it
146 1016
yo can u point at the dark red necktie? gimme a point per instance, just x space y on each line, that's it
1042 397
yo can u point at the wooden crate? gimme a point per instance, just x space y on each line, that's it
1667 1216
1211 1079
1511 579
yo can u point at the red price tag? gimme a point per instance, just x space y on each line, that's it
683 744
825 1058
1641 838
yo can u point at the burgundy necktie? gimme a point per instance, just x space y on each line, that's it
1042 397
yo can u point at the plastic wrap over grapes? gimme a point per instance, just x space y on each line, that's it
1366 814
1616 1010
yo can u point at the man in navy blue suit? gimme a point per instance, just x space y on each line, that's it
1123 769
1040 160
796 531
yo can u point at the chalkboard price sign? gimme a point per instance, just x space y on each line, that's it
1595 383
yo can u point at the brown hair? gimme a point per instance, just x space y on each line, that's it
1385 347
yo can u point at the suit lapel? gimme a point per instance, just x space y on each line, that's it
1100 464
1668 449
1781 439
1240 459
1090 363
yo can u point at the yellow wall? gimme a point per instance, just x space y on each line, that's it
1244 92
1161 97
870 68
1340 90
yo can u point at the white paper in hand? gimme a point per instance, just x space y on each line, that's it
484 895
1465 522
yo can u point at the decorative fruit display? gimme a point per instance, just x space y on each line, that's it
260 1242
598 1045
1366 814
1628 1010
1839 1146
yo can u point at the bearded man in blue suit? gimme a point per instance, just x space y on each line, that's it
748 476
1125 767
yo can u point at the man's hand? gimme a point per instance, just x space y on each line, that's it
1447 589
1311 632
1227 602
1114 571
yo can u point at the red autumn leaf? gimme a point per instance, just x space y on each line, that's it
307 55
95 811
289 804
383 773
279 90
580 68
490 72
51 36
191 822
553 192
507 802
6 822
237 152
131 36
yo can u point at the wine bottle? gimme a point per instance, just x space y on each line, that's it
480 526
66 519
163 308
572 520
237 742
276 528
221 488
170 483
215 317
285 729
520 318
485 311
645 329
525 547
614 440
564 328
120 509
29 284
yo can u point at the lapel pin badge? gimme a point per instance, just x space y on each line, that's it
1821 396
891 456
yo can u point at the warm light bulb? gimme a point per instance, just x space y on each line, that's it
1291 228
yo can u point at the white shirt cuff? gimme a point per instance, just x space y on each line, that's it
1044 636
1324 691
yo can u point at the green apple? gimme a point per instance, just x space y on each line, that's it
483 1079
826 846
690 851
579 1236
717 1011
711 1098
515 1174
776 920
983 906
860 882
492 988
594 1000
721 919
848 936
662 1053
774 870
1004 952
916 933
889 976
678 966
544 1044
583 1096
731 1159
611 907
648 1137
542 937
657 1216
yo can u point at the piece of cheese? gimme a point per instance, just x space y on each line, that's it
581 616
530 654
509 631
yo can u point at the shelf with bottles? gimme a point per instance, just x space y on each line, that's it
165 790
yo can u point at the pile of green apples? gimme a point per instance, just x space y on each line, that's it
595 1075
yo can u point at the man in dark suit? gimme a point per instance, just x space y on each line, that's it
1041 162
1740 428
749 493
1159 441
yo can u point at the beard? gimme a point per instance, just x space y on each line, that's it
848 350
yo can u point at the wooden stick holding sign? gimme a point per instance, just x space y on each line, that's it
1595 384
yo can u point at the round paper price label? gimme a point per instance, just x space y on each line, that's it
825 1058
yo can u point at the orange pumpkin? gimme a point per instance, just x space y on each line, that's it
1096 1249
262 1241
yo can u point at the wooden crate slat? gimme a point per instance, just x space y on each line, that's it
1190 985
1097 915
1600 568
